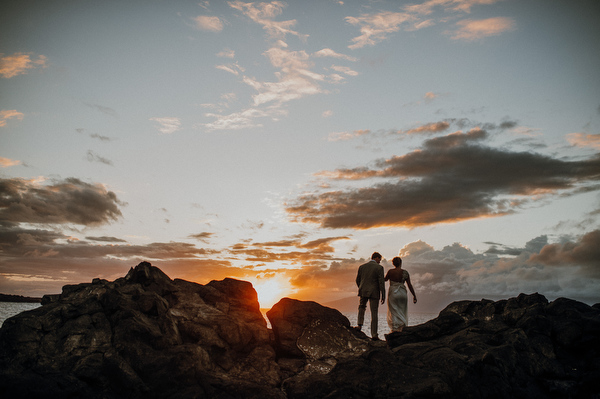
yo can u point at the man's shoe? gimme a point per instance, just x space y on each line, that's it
375 338
359 328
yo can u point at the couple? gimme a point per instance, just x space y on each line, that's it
371 286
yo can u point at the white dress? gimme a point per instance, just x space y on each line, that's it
397 315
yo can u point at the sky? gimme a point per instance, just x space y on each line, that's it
282 143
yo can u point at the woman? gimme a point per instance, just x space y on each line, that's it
397 298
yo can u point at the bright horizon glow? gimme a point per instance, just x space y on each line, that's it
270 291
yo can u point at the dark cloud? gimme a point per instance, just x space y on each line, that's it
105 110
293 251
105 239
449 179
100 137
532 246
66 201
584 252
204 236
93 157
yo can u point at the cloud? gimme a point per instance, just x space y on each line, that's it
375 28
327 52
327 114
295 78
105 110
292 251
167 125
7 114
240 120
584 140
66 201
204 236
93 157
470 30
343 69
226 53
427 7
6 163
19 64
105 239
429 128
450 179
583 252
263 14
212 24
234 68
341 136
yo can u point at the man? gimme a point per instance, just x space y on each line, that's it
371 287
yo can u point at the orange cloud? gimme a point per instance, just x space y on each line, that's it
9 114
5 162
470 29
584 140
19 64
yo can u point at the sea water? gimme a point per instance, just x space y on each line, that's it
9 309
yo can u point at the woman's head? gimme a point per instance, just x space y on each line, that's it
397 261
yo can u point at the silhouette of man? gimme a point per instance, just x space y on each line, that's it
371 287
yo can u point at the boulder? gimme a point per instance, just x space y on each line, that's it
319 335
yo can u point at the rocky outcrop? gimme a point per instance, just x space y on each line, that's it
143 335
147 336
523 347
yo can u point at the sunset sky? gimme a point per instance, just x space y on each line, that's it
283 142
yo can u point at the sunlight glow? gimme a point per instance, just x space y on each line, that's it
270 291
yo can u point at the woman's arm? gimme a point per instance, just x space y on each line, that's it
412 291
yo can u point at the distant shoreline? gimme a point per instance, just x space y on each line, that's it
18 298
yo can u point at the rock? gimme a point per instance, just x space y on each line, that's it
143 335
522 347
309 330
147 336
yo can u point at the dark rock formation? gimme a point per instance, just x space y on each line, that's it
147 336
143 335
523 347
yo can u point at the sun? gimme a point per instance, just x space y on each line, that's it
269 291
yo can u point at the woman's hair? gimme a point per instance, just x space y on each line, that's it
397 261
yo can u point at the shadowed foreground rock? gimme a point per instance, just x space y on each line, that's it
143 335
147 336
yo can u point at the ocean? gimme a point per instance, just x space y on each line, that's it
9 309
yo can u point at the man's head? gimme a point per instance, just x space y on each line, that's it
376 257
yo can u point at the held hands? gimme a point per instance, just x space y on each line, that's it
382 301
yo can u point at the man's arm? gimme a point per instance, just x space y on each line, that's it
381 285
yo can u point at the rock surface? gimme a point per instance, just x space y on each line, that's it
147 336
143 335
